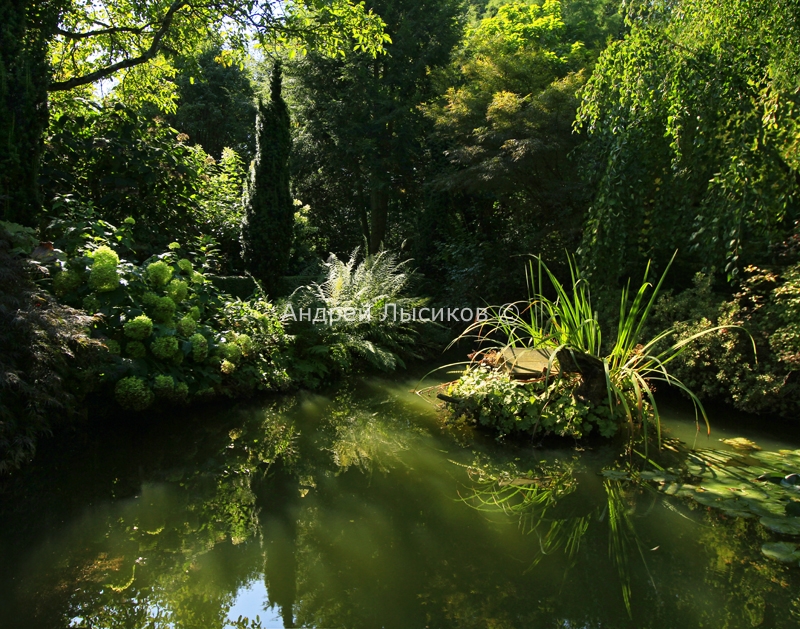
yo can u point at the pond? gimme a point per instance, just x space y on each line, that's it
361 508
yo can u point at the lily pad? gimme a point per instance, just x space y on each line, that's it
784 552
740 443
615 474
658 477
784 525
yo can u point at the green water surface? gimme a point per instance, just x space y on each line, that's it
358 510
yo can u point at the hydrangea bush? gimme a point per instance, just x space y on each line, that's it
172 335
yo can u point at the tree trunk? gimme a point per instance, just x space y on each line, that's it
24 76
379 213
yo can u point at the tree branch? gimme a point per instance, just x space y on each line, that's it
155 47
105 31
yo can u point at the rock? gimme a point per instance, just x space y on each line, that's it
522 362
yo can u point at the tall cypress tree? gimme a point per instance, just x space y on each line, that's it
269 213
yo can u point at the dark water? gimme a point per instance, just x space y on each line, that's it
358 509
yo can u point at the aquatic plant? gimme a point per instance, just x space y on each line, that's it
568 330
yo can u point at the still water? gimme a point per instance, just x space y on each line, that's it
361 509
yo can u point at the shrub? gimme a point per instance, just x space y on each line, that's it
140 314
723 365
349 288
133 393
47 361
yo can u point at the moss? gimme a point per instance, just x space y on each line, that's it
139 328
199 347
136 349
187 326
133 393
164 347
159 273
103 276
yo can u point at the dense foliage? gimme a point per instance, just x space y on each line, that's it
120 163
693 123
723 365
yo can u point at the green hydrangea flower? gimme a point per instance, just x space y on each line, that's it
130 221
163 309
112 346
181 391
245 343
185 266
164 347
194 313
66 282
133 393
159 273
231 352
227 367
164 386
187 326
90 303
139 328
177 290
103 276
199 347
136 349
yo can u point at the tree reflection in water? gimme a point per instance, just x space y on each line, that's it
351 512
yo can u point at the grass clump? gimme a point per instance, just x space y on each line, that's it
587 383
